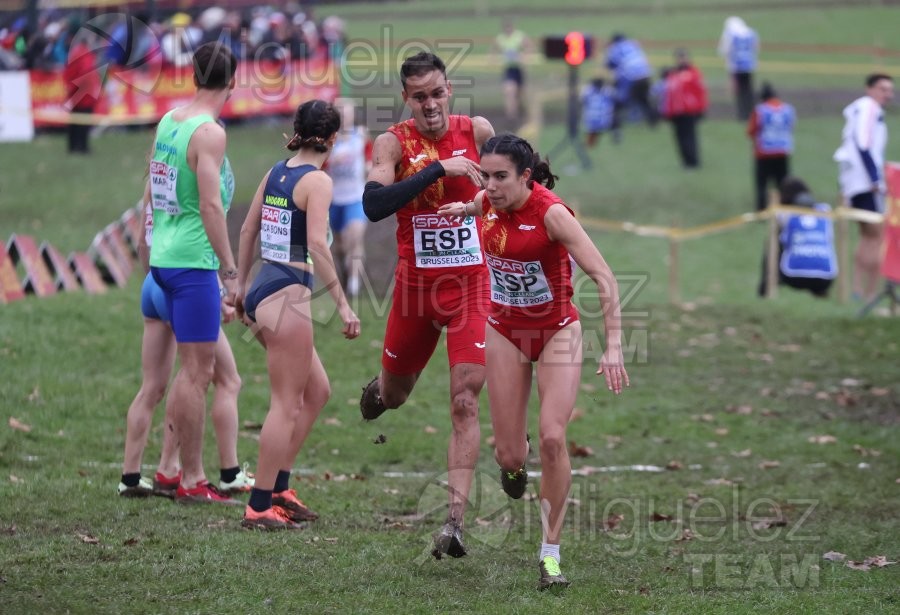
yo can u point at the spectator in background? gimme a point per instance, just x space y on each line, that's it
806 256
658 91
335 41
598 105
348 166
83 87
179 43
860 161
685 104
739 45
771 127
626 59
512 44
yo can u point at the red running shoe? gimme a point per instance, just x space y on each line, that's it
165 486
204 493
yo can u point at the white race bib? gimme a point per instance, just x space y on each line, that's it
518 284
163 180
446 242
275 234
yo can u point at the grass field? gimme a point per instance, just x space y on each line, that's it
778 419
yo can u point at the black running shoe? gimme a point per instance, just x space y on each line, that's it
370 404
514 483
449 541
551 576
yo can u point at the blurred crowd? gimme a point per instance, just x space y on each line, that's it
260 33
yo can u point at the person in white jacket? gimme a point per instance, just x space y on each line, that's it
739 45
860 161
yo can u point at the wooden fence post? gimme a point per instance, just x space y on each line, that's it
674 295
772 257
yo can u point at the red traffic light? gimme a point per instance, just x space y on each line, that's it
574 48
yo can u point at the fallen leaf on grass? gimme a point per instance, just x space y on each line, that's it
674 465
613 441
490 440
866 452
657 516
249 434
217 524
824 439
822 396
644 591
742 454
587 387
692 498
390 491
430 429
11 530
743 410
331 540
333 420
721 431
15 479
768 464
130 542
876 561
834 556
18 425
579 451
789 348
769 413
719 482
845 399
252 425
612 522
35 395
850 382
381 439
712 445
879 391
686 535
577 413
88 539
705 418
765 524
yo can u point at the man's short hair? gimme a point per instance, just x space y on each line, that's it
874 78
214 66
421 64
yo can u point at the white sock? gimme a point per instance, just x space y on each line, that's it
548 549
353 286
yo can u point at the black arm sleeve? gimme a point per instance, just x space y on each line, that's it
380 201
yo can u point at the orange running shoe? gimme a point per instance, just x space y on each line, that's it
296 509
275 518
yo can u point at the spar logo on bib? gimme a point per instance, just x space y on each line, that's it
446 242
275 234
517 283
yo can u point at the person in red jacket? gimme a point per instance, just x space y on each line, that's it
771 127
83 84
685 104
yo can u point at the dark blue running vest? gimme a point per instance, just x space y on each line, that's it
283 230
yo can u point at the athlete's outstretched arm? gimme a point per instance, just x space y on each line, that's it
247 245
382 197
564 228
316 189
